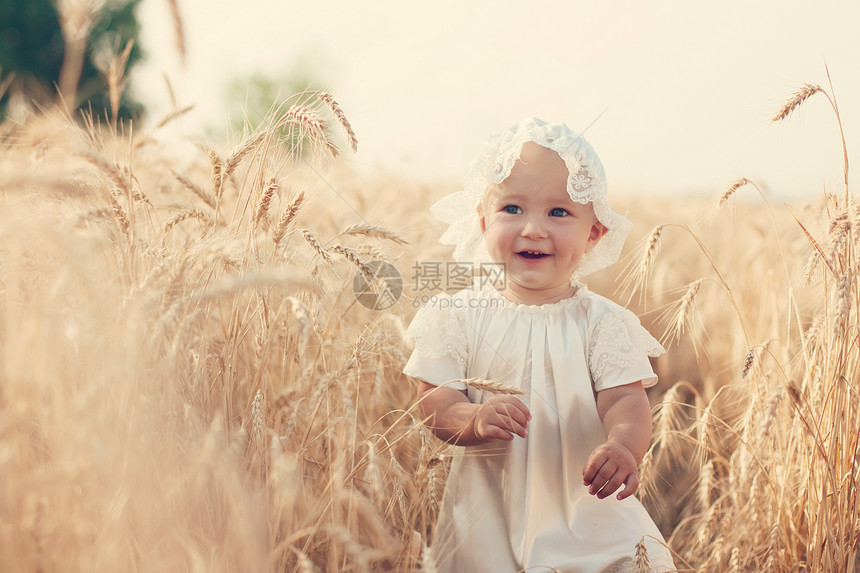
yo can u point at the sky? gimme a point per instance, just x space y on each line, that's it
675 97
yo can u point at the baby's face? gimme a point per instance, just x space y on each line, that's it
535 230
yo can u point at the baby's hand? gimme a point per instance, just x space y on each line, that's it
609 466
500 417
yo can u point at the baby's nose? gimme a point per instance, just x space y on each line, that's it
534 228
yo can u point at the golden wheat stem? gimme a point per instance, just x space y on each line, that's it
835 107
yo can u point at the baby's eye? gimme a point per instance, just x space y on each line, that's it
558 212
512 209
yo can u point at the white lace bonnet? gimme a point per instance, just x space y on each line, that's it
585 184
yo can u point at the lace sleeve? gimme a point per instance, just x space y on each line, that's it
440 353
618 351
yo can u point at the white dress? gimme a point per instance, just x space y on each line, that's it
521 505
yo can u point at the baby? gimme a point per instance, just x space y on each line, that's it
533 485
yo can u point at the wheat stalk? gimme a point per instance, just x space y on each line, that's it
239 154
375 232
353 257
176 113
732 188
638 276
840 228
772 408
640 559
341 118
121 216
706 484
748 362
112 67
706 433
216 164
120 177
735 560
682 319
807 91
371 252
286 217
317 246
843 303
492 386
178 28
372 473
668 415
308 122
188 184
811 264
185 215
258 423
266 200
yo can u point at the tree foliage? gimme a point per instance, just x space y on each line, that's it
33 47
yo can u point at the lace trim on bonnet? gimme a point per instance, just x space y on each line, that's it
585 184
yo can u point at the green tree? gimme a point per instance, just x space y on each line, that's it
250 99
33 50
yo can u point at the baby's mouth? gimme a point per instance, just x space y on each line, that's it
532 254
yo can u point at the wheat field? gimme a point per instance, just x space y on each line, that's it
189 383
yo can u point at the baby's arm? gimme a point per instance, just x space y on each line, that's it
626 415
454 419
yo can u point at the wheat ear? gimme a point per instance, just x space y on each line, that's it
266 200
341 118
288 215
244 149
807 91
641 560
375 232
188 184
732 188
493 387
313 242
184 215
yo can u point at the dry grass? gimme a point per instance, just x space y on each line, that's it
188 383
